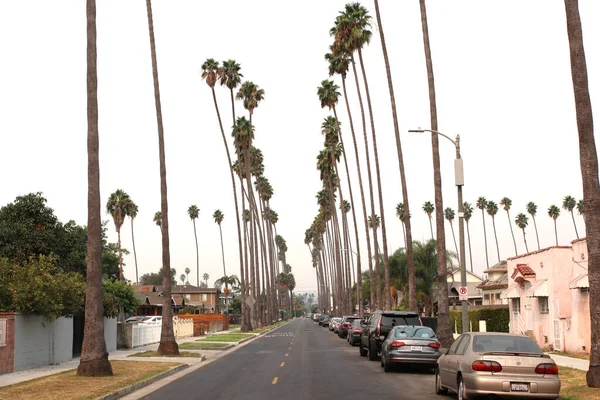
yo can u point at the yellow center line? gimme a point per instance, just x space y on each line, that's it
286 354
275 381
282 364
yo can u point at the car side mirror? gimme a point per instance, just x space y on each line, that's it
443 350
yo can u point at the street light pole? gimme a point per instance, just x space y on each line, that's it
459 182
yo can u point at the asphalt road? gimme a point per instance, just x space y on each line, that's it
300 360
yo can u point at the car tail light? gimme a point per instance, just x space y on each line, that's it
486 366
435 345
356 331
546 369
397 344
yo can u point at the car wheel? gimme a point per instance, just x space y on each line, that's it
372 354
387 367
439 389
363 352
462 393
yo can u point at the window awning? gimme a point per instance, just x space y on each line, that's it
513 292
539 289
580 282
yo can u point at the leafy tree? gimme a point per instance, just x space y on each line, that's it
118 294
155 278
532 210
569 204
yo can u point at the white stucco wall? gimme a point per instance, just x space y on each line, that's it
39 342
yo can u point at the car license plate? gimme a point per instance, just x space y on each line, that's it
519 387
416 348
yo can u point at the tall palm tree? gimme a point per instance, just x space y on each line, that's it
554 212
444 328
482 204
229 75
132 212
449 215
218 217
521 221
194 213
227 281
468 213
492 209
429 208
94 356
569 204
206 277
167 345
187 275
182 279
581 209
406 223
352 32
532 210
402 217
505 202
117 205
157 219
589 174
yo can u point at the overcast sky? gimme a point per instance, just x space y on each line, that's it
503 82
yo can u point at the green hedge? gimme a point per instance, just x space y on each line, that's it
497 319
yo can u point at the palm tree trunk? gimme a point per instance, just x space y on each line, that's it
246 313
137 282
536 232
197 252
525 241
364 208
222 251
120 255
431 228
454 238
512 233
444 328
386 262
168 345
588 159
470 250
496 237
487 262
574 225
94 356
555 232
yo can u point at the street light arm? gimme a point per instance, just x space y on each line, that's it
432 131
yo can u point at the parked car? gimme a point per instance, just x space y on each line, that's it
379 324
325 320
333 326
345 324
135 319
410 345
156 320
502 364
354 332
315 317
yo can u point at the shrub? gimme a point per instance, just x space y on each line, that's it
497 319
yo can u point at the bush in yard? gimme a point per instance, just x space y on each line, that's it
496 319
118 294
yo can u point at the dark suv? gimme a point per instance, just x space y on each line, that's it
376 329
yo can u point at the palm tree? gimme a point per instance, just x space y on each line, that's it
168 345
218 217
449 215
532 210
182 279
505 202
429 208
132 212
230 76
581 209
94 356
227 281
482 204
187 275
589 174
569 204
492 209
554 212
206 277
157 219
117 205
406 219
402 217
521 222
194 213
468 213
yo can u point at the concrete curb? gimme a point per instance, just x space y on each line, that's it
139 385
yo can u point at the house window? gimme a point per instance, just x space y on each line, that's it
516 305
486 298
2 332
543 305
204 297
498 299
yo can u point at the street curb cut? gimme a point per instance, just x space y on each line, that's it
139 385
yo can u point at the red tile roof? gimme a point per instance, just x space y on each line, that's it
524 270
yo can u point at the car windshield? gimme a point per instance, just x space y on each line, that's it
356 323
393 320
415 332
504 343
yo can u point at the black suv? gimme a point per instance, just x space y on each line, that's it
377 327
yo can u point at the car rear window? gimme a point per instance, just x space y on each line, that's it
502 343
393 320
416 332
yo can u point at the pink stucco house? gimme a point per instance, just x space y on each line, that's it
548 294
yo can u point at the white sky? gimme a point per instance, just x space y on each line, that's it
503 83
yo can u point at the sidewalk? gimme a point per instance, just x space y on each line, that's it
570 362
